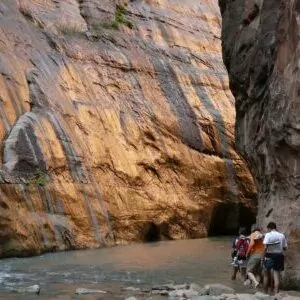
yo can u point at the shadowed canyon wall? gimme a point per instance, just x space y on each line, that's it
261 53
116 125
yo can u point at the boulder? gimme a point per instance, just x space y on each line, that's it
33 289
245 297
182 293
218 289
263 296
206 297
201 290
228 297
84 291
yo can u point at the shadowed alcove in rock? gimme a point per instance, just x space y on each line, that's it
151 232
227 218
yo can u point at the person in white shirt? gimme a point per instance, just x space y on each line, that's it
275 244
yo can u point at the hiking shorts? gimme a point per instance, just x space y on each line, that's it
274 261
254 263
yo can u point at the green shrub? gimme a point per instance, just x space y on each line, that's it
119 18
39 179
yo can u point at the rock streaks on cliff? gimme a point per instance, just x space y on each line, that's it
116 125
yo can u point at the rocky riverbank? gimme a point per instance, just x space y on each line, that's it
185 291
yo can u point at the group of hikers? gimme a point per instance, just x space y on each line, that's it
259 257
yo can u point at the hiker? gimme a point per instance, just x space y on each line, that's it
275 244
240 247
255 254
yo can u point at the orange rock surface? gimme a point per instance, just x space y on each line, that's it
116 125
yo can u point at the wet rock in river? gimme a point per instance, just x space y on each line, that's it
160 292
201 290
218 289
186 294
228 297
34 289
205 297
170 287
245 297
192 291
262 296
83 291
132 288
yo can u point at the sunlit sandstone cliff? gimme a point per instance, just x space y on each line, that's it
261 52
116 125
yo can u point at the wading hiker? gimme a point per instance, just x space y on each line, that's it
240 247
275 244
255 256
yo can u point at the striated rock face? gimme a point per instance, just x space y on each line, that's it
116 125
261 52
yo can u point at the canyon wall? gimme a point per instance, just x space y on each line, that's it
260 51
116 125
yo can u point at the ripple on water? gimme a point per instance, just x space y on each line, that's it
4 276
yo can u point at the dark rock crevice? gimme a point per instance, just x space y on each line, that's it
151 233
227 218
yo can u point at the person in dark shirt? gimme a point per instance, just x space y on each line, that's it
239 252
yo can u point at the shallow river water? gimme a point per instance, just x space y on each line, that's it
112 269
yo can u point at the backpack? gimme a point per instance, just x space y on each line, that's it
242 245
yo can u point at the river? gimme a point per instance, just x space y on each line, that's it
112 269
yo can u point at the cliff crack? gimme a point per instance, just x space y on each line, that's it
80 2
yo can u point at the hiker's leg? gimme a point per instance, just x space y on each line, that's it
254 267
276 281
235 270
243 274
253 279
266 274
259 275
258 278
271 282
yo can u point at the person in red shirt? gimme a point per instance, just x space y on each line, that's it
240 247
